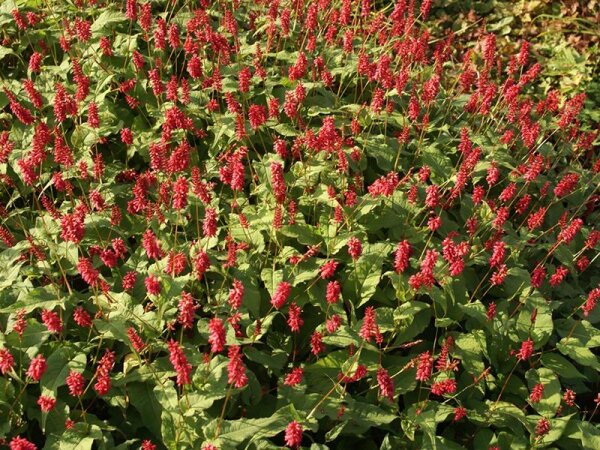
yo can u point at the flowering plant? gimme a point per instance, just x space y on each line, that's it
318 224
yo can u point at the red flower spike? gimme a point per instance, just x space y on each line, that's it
293 435
180 363
37 367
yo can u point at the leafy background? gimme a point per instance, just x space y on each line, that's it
39 271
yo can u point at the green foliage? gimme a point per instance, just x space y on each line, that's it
319 225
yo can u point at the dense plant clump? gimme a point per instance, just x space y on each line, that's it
291 223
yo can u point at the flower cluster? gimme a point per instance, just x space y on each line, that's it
212 211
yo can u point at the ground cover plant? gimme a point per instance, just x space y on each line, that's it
308 224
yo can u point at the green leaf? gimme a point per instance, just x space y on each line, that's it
343 337
382 148
409 310
285 130
573 348
5 51
439 163
542 329
507 415
428 420
143 398
364 278
45 297
211 384
166 395
411 321
557 428
561 366
274 360
368 415
34 336
470 348
235 432
81 436
551 397
56 372
107 19
590 436
112 329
